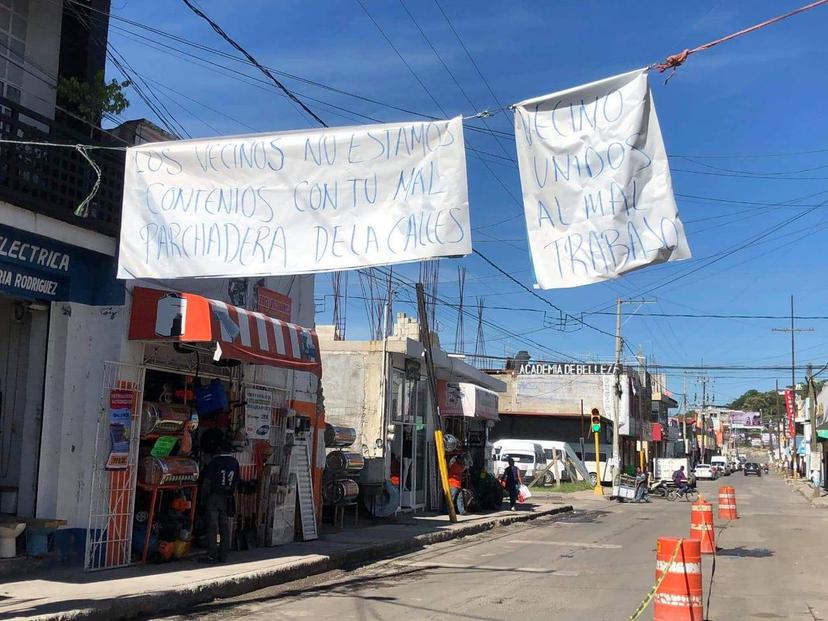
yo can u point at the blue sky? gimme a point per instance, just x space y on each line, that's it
762 96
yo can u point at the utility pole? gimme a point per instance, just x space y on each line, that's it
812 457
439 446
703 417
616 460
619 345
684 419
643 379
793 330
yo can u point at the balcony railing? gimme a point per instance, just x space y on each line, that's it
53 181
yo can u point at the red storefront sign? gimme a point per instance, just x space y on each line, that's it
790 406
273 304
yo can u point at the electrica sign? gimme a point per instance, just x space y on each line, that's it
41 268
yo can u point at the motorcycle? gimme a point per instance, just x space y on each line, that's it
660 488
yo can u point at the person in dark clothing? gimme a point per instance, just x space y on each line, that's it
513 479
220 478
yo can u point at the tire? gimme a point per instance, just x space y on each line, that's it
692 495
548 479
672 495
593 479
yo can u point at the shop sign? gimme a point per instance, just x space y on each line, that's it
790 406
565 368
31 284
39 268
273 304
258 413
465 399
120 424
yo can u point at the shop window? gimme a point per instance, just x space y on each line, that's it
13 26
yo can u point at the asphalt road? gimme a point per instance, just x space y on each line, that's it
597 563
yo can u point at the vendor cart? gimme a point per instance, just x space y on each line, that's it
623 487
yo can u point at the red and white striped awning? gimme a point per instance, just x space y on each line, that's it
239 334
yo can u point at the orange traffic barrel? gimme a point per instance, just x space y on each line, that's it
727 503
679 596
701 526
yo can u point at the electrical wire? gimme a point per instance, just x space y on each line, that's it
218 29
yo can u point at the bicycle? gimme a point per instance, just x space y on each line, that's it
691 494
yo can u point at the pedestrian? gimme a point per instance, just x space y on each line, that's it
457 466
640 484
220 479
513 479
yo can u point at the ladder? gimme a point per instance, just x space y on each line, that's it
300 465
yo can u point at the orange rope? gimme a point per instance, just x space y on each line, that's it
676 60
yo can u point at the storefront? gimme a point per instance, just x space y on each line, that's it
37 274
379 388
469 412
206 375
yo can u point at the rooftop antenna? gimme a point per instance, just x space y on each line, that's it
480 340
339 283
459 345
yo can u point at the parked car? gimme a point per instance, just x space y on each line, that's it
704 471
753 468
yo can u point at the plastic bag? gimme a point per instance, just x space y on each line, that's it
523 493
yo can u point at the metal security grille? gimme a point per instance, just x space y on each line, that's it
112 499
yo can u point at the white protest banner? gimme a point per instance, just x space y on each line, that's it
295 202
596 184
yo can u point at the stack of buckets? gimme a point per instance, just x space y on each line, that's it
679 596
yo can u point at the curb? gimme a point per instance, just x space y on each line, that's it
169 601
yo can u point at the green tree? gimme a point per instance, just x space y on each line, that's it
768 402
91 100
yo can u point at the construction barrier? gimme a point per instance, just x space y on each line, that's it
678 595
701 526
727 503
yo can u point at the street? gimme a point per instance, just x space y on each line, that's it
596 563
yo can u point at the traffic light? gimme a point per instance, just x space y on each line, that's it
596 420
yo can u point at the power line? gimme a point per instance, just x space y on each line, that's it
401 57
717 316
541 298
454 79
218 29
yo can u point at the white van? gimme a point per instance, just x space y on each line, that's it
569 463
528 456
720 461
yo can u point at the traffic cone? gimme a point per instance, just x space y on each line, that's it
679 597
727 503
701 526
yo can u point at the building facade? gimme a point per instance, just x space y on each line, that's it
67 344
380 389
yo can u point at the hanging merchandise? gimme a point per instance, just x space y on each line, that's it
161 418
596 185
210 399
294 202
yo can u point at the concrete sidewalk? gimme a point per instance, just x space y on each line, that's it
804 487
65 593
